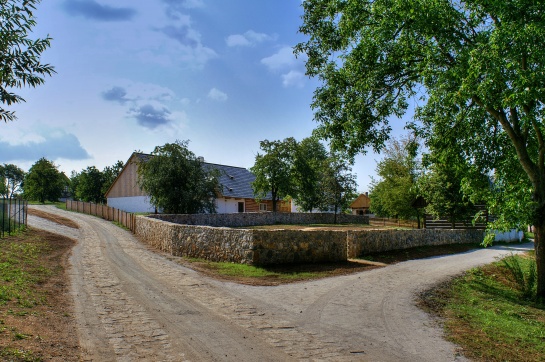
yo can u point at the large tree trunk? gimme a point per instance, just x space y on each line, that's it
539 246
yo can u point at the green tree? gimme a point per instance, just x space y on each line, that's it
476 67
338 185
73 183
273 170
309 160
13 178
43 182
110 173
177 181
20 56
89 185
394 193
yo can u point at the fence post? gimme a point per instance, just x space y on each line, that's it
9 216
3 216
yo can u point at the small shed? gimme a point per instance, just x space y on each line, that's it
360 206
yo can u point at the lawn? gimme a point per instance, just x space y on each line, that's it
485 312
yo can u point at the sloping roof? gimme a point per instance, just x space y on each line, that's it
236 182
362 201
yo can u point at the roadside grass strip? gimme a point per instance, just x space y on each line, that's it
250 271
488 314
33 298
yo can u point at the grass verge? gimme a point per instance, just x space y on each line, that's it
485 313
35 309
271 275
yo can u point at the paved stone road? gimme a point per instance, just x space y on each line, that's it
132 304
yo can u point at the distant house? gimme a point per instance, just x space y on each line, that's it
235 193
361 205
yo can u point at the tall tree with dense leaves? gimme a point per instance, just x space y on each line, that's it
394 193
110 173
13 178
20 63
309 160
273 170
338 184
476 67
177 180
44 182
89 185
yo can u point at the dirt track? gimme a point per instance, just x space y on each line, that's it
134 304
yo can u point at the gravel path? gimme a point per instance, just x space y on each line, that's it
134 304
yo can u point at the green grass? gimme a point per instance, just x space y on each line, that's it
20 270
59 204
486 314
250 271
15 354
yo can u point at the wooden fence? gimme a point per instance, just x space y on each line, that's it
443 223
106 212
429 222
384 221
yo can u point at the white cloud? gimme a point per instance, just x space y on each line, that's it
293 79
217 95
283 59
249 38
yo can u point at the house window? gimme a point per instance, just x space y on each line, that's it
241 207
262 207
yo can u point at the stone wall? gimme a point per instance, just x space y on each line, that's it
260 218
361 242
279 246
257 247
298 246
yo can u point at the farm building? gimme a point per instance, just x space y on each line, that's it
361 205
235 194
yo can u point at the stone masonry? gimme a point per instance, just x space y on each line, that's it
279 246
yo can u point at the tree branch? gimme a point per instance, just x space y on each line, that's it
520 147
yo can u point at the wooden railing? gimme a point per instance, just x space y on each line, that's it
384 221
106 212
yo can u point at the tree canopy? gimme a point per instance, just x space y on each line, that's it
12 177
474 69
309 163
44 182
20 63
273 170
338 184
176 180
394 193
91 184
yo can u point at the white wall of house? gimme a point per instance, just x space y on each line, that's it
132 204
227 206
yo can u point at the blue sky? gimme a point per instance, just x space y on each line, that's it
132 75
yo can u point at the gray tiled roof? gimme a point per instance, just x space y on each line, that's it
235 181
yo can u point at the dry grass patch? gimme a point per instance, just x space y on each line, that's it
53 218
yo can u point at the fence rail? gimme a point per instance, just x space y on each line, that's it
106 212
431 223
13 215
384 221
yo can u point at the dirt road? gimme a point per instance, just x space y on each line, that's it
132 304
